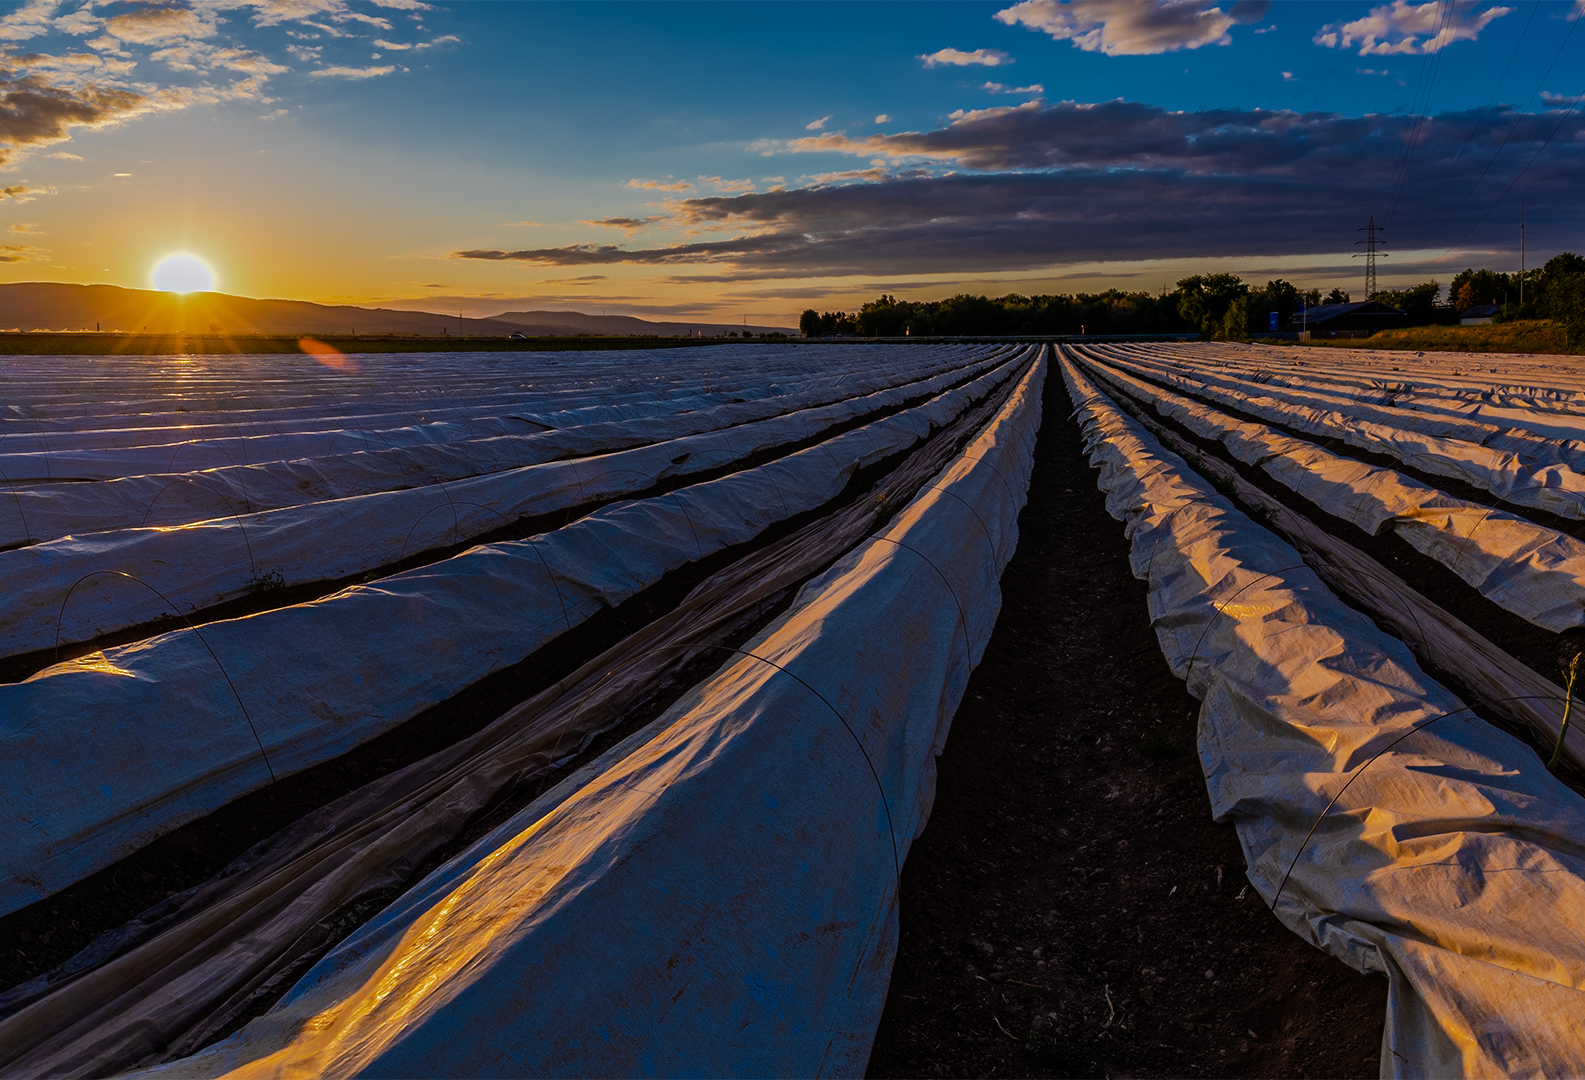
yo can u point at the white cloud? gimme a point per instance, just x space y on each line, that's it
1403 28
1558 100
341 71
999 88
193 55
883 119
959 58
1288 76
816 125
659 185
1134 27
395 46
155 26
62 155
78 22
28 21
728 185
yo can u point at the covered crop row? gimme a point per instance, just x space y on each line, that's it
1533 571
45 511
1535 477
434 404
197 566
103 754
717 894
1382 821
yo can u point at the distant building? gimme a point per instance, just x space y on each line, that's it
1356 320
1479 315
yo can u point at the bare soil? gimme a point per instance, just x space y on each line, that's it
1072 909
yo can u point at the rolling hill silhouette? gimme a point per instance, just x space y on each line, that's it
57 306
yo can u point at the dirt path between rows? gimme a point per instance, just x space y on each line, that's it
1072 910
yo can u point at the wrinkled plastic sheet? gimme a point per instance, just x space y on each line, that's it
101 755
446 411
75 588
1555 488
1540 396
1453 863
1533 571
718 895
496 427
1542 424
41 512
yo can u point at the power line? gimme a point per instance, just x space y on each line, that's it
1515 127
1555 129
1414 111
1480 122
1422 117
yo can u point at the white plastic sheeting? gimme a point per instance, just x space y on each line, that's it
382 402
1454 863
717 895
1533 571
102 755
1555 488
50 590
36 512
47 511
1545 404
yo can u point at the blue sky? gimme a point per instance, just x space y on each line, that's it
753 159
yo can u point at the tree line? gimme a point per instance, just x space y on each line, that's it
1218 306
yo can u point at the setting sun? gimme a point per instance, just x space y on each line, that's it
183 273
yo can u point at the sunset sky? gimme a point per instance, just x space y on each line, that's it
726 160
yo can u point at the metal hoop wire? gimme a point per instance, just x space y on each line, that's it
874 773
394 451
968 644
533 544
27 531
1357 772
456 521
170 466
38 437
243 446
235 516
201 639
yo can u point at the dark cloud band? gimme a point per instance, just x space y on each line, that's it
1045 185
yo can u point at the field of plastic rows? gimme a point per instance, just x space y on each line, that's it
219 573
1370 568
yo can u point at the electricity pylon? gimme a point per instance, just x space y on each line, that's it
1372 244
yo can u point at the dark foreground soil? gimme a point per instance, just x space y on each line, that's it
1072 910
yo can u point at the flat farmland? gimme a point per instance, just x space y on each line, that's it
926 710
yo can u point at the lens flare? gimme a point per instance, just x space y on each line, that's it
328 355
183 273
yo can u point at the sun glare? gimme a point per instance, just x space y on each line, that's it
183 273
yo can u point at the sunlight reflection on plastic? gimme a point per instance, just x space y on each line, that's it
328 355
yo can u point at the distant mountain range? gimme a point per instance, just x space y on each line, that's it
55 306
